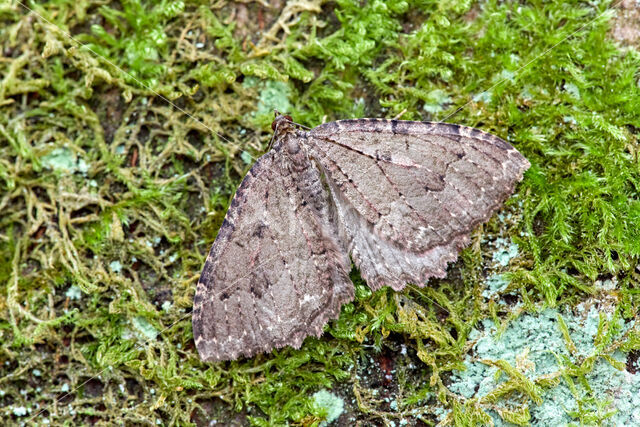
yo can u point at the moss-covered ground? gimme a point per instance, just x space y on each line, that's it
113 186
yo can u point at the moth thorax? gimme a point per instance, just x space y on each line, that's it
292 145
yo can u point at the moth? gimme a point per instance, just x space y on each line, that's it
398 198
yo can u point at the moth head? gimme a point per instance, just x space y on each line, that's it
281 125
280 120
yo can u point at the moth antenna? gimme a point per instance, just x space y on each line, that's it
273 137
290 120
400 114
302 126
420 291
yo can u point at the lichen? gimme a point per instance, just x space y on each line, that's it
149 333
64 160
496 283
505 251
73 292
538 349
328 403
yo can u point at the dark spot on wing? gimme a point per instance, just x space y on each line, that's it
226 229
259 230
319 250
197 299
385 156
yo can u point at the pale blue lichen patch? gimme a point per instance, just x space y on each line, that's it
145 328
329 403
535 346
606 285
496 283
246 157
505 75
19 411
73 292
63 159
526 94
572 90
485 97
115 266
142 330
437 100
272 95
506 250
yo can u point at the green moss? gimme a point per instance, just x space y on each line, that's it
111 197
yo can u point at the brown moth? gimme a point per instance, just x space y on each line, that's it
398 197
